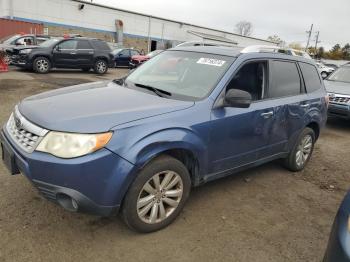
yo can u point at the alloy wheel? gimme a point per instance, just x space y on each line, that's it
101 67
42 65
159 197
304 150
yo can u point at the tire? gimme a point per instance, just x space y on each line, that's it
157 206
302 151
100 67
41 65
86 69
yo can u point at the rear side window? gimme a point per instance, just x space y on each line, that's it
101 45
285 79
83 44
311 77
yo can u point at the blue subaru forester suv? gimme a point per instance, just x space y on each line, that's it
189 115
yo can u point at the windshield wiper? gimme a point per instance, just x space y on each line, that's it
158 92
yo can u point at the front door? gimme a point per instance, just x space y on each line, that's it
65 54
239 136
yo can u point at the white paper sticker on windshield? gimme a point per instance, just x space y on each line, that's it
211 61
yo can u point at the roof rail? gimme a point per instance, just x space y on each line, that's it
261 49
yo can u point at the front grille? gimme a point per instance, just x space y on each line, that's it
24 133
339 99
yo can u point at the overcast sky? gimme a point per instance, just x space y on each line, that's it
288 20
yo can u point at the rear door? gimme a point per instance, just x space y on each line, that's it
287 95
85 53
65 54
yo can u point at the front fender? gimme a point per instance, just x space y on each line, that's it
141 149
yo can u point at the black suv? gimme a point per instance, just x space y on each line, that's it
76 53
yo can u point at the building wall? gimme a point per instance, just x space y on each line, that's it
64 15
9 27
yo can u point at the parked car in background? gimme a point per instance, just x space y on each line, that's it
334 66
324 70
188 116
338 88
338 249
75 53
137 60
122 56
9 42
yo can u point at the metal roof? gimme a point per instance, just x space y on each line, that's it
165 19
213 37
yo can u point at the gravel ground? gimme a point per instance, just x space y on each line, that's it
263 214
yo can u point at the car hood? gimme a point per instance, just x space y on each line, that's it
337 87
94 107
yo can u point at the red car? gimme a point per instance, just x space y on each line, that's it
137 60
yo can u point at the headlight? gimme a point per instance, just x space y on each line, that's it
25 51
70 145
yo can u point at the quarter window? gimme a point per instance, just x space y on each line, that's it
311 77
285 79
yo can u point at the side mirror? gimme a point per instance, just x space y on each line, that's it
237 98
57 48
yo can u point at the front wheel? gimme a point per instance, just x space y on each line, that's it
157 195
41 65
100 67
302 151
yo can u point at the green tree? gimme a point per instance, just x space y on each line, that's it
346 51
276 39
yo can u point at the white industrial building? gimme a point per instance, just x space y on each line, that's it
128 28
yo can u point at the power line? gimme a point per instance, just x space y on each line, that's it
308 39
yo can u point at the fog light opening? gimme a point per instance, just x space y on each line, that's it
67 202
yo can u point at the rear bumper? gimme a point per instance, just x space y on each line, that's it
339 110
96 182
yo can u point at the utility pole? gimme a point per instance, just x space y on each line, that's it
308 39
316 42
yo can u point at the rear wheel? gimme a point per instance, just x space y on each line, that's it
302 151
41 65
100 67
157 195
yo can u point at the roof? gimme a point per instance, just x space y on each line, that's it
166 19
236 51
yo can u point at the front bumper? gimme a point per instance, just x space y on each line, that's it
97 182
339 110
21 61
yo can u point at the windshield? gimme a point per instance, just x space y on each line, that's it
341 75
49 42
185 75
9 39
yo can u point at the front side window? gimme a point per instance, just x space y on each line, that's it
69 44
341 75
311 77
251 78
185 75
285 79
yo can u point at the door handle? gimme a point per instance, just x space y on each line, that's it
90 53
305 105
73 53
267 114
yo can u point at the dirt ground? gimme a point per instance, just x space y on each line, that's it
263 214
